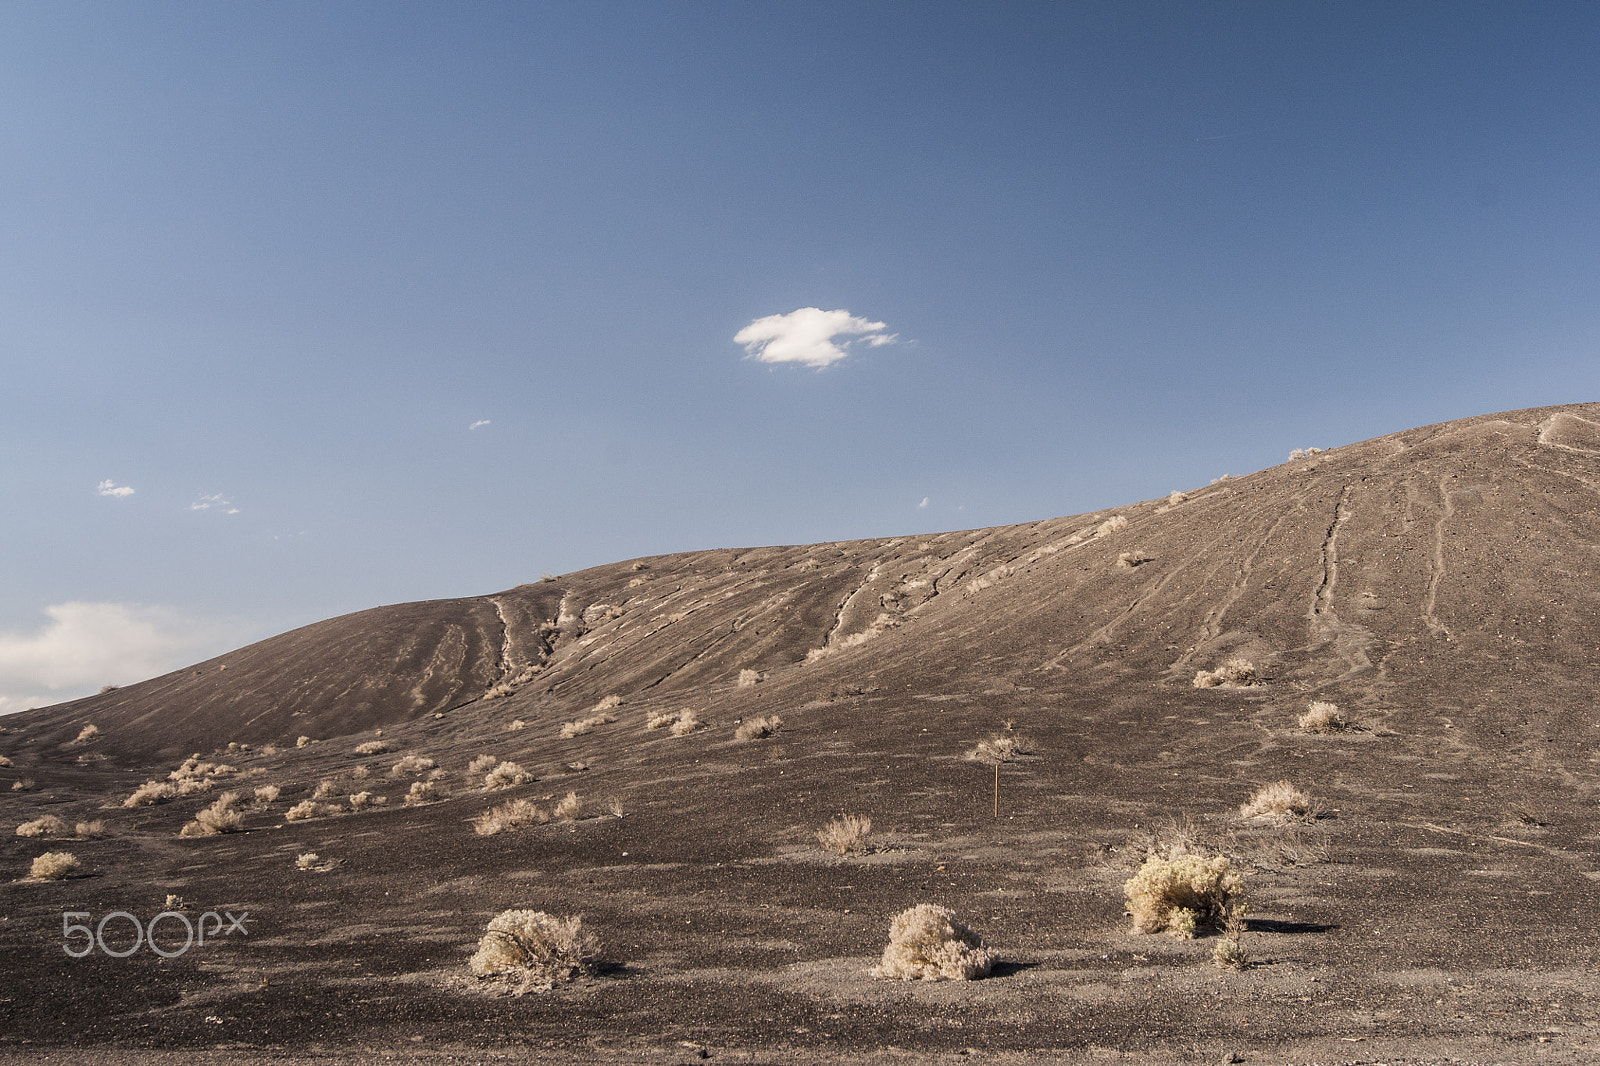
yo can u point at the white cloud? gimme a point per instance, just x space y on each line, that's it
923 505
479 422
214 502
86 645
111 488
807 336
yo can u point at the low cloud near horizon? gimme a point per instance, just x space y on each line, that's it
807 336
85 646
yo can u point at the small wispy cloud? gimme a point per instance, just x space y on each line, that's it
111 488
214 502
807 336
480 422
84 646
923 505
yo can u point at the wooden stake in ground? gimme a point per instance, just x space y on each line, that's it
995 751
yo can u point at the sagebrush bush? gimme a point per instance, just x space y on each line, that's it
325 788
267 793
362 800
1278 802
506 775
515 724
758 728
570 807
309 809
88 732
1111 525
585 725
411 764
54 865
426 792
751 678
538 949
1133 560
481 763
372 747
1182 892
5 761
302 740
306 860
23 784
1237 672
927 943
513 815
846 833
91 830
151 792
47 826
1322 717
220 817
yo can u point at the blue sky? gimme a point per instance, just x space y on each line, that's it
267 265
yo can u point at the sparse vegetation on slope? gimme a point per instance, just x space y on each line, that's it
536 949
928 943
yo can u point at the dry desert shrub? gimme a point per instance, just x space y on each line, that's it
516 724
927 943
360 773
1133 560
218 818
1111 525
193 786
306 809
998 749
1322 717
751 678
538 949
681 723
150 793
90 830
23 784
325 788
267 793
302 740
1237 672
362 800
481 763
307 860
615 806
372 747
47 826
5 761
506 775
54 865
1278 802
609 703
1180 893
1303 453
759 728
88 732
426 792
411 764
570 807
586 725
845 834
513 815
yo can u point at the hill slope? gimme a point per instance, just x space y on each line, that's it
1437 585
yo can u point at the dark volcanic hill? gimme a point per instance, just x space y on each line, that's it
1437 585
